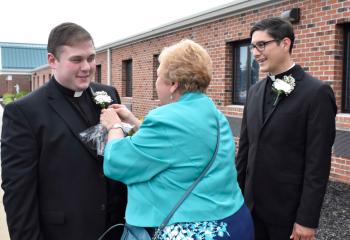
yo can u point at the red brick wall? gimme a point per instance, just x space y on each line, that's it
40 77
143 69
318 48
341 165
101 59
340 169
8 86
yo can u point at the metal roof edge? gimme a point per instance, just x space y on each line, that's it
210 15
15 72
41 67
23 45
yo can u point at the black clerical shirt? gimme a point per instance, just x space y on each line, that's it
83 104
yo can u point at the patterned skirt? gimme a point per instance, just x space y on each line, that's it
238 226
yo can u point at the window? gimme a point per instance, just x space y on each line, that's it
155 67
346 76
33 82
245 71
127 77
98 73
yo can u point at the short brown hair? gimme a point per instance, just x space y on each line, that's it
66 34
187 63
278 28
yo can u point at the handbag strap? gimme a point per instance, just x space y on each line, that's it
194 184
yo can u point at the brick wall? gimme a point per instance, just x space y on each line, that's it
9 86
341 164
101 59
40 77
318 48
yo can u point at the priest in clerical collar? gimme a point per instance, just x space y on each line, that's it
53 182
287 133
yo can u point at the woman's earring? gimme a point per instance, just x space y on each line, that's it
171 96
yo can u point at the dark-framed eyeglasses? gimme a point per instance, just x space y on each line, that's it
260 46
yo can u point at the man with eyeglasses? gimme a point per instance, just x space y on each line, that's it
287 133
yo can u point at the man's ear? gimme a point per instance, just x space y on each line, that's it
51 60
286 43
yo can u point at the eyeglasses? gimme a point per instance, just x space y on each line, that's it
260 46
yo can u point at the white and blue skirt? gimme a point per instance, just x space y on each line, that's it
237 226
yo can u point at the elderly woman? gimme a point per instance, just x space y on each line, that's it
171 148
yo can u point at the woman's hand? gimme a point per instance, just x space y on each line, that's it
125 115
109 117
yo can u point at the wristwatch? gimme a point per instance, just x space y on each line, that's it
118 125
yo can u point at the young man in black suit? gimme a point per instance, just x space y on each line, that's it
54 184
287 133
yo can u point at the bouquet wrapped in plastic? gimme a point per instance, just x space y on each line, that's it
96 136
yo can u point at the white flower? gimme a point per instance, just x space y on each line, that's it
102 98
285 86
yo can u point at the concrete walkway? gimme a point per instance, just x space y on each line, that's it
3 226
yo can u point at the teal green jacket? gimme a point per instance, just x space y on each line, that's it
166 155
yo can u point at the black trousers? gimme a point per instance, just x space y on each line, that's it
267 231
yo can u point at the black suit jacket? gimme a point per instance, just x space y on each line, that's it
54 184
283 162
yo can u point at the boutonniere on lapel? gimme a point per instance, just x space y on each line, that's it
102 99
283 86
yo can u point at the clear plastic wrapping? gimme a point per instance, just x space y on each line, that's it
95 137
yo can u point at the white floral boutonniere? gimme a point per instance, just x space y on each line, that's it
283 86
102 99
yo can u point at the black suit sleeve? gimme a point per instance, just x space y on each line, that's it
320 138
19 162
242 156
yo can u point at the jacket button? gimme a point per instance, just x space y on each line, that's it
103 207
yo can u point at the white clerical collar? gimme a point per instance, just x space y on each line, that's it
272 77
78 94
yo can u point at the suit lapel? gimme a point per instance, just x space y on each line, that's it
272 111
61 106
259 104
92 90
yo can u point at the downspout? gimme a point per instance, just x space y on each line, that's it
109 66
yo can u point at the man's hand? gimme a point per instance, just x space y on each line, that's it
302 233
